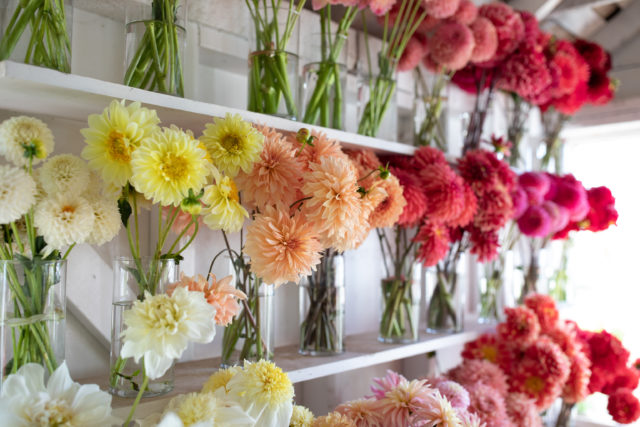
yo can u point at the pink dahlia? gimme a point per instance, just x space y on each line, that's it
484 244
576 389
600 88
413 53
624 407
520 327
441 9
401 405
571 194
531 27
535 222
522 411
427 156
428 23
454 392
469 209
471 372
416 200
385 384
488 404
536 185
363 412
545 308
380 7
495 208
558 215
519 201
483 171
451 45
323 147
509 28
467 12
433 241
525 72
445 192
570 104
598 59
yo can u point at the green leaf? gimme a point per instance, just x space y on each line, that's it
125 211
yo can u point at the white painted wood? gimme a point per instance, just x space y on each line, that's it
540 8
577 4
620 29
37 90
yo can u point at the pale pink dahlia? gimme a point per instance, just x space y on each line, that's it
362 411
467 12
380 7
522 411
413 53
441 9
471 372
454 392
451 45
520 327
488 404
282 248
439 412
485 37
387 383
400 405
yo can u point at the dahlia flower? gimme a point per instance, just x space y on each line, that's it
160 327
623 378
624 407
451 45
282 248
301 417
520 327
484 244
483 171
413 53
223 210
571 194
535 184
385 384
64 219
439 413
471 372
113 136
454 392
495 208
389 210
106 221
522 411
600 89
485 347
401 404
220 379
607 355
416 206
485 39
423 157
433 240
469 209
519 202
531 27
467 12
64 173
545 308
26 401
469 419
445 192
488 404
576 388
334 419
322 147
25 140
599 60
570 104
277 172
558 215
441 9
264 391
17 193
535 222
525 72
365 162
362 411
232 143
509 28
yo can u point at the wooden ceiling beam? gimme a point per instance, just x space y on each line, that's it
619 29
540 8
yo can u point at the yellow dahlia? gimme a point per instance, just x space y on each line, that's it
334 419
233 144
64 173
301 417
113 136
167 165
282 248
276 175
264 391
23 138
223 210
64 219
220 379
17 193
334 206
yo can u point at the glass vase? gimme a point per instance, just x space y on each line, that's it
322 301
376 98
155 43
132 278
495 280
445 296
564 415
50 46
323 94
401 306
33 314
250 336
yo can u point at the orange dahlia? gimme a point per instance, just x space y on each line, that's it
323 147
388 211
282 248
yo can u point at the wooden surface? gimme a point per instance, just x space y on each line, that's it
36 90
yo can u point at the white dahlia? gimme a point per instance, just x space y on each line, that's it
106 221
160 328
26 401
17 193
25 137
64 173
64 219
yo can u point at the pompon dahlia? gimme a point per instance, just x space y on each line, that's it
522 411
454 392
334 204
535 222
385 384
531 27
467 12
282 248
519 202
17 193
433 240
485 347
334 419
595 55
521 326
64 219
525 72
423 157
485 37
441 9
471 372
451 45
323 147
545 308
488 404
413 53
536 185
576 388
416 206
106 221
23 138
387 213
301 417
509 28
445 193
64 173
362 411
277 172
541 373
623 406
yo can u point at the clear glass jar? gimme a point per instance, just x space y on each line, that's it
446 292
132 277
155 44
377 114
250 336
50 47
400 314
32 327
323 94
496 279
322 302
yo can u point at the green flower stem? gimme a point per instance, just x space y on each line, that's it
145 383
397 310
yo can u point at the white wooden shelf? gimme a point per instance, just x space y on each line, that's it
34 90
362 350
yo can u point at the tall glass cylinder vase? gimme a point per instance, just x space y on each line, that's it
377 105
32 328
251 334
401 306
322 301
446 295
50 45
495 280
323 94
132 279
155 43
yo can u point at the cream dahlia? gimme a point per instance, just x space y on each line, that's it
301 417
64 173
17 193
203 410
24 139
64 219
220 379
106 221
